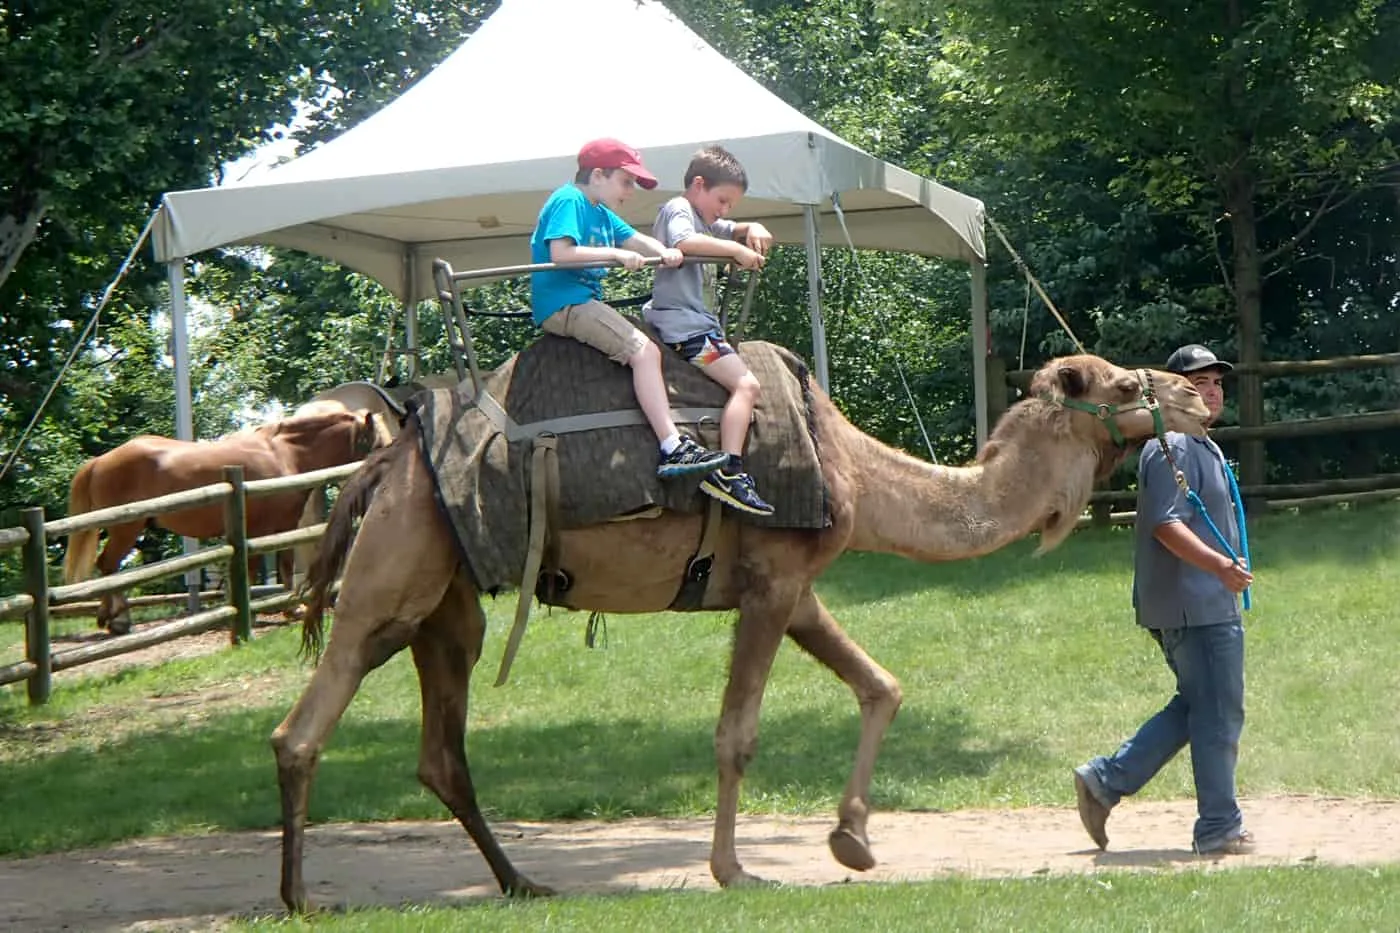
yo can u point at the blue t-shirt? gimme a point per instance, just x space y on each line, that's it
1167 591
569 215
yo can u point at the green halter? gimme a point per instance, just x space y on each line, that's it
1107 413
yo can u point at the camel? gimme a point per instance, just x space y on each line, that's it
404 585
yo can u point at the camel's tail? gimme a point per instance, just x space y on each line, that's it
354 500
81 556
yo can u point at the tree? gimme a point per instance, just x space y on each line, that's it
1253 120
104 107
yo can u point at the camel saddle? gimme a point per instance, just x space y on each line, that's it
563 401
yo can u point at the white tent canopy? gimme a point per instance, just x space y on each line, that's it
459 165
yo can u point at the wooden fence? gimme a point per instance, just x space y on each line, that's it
1260 495
40 600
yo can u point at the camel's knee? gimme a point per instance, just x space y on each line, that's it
290 754
884 695
735 748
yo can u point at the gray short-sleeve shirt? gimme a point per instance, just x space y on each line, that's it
1167 591
679 308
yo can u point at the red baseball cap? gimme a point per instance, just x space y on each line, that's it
612 153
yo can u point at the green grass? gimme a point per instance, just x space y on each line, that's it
1014 669
1297 899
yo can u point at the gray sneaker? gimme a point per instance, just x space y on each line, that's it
1092 813
1243 844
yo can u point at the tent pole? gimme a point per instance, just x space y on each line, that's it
184 402
410 312
814 298
980 349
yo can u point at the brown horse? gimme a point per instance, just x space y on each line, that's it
149 466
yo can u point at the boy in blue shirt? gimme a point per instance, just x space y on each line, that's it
578 223
696 223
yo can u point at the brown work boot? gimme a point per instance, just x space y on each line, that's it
1092 813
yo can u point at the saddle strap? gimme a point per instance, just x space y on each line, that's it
590 422
691 595
544 461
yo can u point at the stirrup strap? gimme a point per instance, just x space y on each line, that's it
543 461
691 594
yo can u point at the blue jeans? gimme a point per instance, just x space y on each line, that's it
1208 713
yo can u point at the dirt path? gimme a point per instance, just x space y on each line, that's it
194 883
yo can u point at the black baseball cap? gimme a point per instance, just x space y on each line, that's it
1192 358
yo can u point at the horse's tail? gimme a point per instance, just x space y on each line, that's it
350 506
81 556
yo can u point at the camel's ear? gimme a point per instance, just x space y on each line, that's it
1073 381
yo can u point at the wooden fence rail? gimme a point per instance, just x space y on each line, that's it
40 599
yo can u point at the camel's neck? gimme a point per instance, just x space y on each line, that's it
935 513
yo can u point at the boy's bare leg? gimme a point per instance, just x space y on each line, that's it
650 388
733 373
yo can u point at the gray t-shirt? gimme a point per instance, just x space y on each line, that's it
679 308
1167 591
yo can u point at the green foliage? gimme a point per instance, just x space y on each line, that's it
117 105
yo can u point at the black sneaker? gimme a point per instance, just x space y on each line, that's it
736 491
689 459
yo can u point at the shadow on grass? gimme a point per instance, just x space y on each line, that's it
221 774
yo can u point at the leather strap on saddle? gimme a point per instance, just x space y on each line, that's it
691 595
543 547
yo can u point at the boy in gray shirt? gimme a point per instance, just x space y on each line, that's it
696 224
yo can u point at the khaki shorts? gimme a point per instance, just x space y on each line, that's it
599 326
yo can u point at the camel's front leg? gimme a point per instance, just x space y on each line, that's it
817 633
758 633
445 650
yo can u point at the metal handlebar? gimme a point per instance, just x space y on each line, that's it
507 271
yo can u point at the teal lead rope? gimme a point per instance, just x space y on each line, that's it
1195 500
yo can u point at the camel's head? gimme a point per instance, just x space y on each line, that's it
1123 406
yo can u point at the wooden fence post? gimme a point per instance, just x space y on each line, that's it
236 533
36 584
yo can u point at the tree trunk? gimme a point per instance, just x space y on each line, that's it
1248 288
17 230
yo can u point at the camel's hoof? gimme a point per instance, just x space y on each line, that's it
742 879
526 889
299 905
851 850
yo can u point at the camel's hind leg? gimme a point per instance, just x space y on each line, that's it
398 570
446 648
817 633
